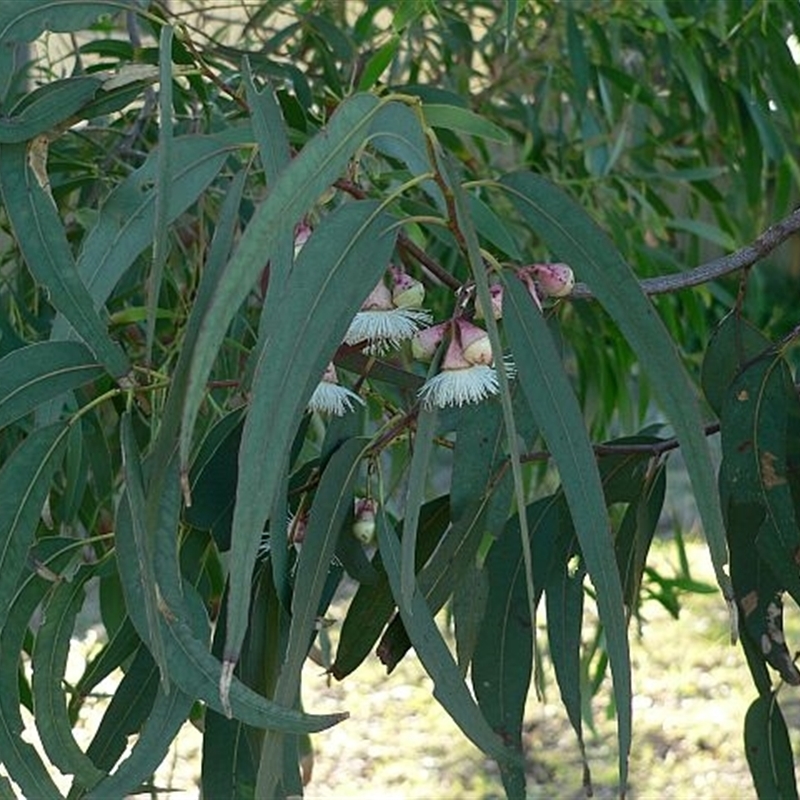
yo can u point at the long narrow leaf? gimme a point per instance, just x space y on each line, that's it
449 689
574 237
332 504
553 403
49 662
318 165
21 759
192 667
415 496
24 485
43 241
32 375
334 272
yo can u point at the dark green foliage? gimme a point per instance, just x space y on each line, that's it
165 342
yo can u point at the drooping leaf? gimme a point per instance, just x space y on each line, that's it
49 662
41 238
415 496
462 120
44 108
167 713
162 185
333 503
143 565
735 341
346 254
192 667
503 659
555 407
212 479
37 373
373 604
573 237
449 688
125 225
762 527
24 485
320 163
126 712
20 758
769 752
24 20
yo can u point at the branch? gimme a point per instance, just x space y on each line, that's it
741 259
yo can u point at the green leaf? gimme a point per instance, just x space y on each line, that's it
24 20
143 565
703 230
115 652
167 714
47 106
21 759
24 485
333 503
734 342
192 667
344 257
492 228
318 165
758 413
373 603
49 662
469 606
228 770
162 185
377 63
127 710
39 372
769 751
564 593
555 407
503 660
126 222
449 688
574 237
415 496
43 242
462 120
212 479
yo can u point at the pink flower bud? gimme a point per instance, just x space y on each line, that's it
475 344
364 524
302 232
407 292
553 280
425 342
496 293
379 299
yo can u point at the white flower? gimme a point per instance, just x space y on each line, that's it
382 326
454 387
331 398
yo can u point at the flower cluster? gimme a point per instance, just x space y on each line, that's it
389 317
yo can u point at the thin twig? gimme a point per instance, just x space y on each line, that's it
718 267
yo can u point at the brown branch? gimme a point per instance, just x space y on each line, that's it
718 267
653 449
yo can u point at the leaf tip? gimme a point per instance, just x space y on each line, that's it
225 680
